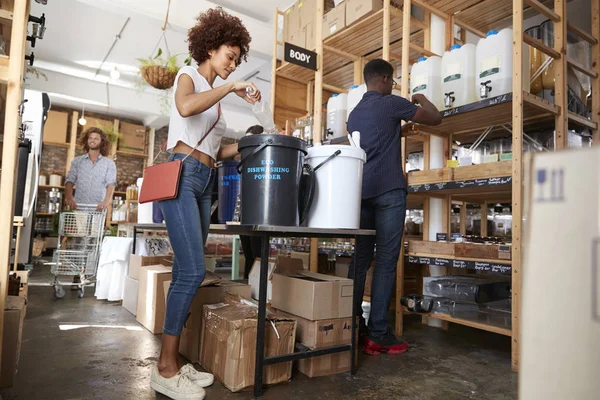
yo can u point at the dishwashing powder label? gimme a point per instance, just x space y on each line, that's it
490 65
453 72
268 171
420 83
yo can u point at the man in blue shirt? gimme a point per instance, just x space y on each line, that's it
378 118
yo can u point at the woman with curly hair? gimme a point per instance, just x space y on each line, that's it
218 43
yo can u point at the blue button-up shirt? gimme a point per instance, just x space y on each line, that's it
91 179
378 119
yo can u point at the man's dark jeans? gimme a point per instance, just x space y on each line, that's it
384 213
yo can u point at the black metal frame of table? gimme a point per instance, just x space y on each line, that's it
266 232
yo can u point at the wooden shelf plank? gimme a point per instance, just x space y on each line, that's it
50 187
477 325
542 9
541 46
575 65
499 169
55 144
581 33
495 111
582 121
3 69
131 154
6 17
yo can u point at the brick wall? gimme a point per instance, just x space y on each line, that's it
129 169
160 137
54 161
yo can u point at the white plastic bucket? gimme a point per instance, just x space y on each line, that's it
338 189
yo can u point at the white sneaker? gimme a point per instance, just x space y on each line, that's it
178 387
202 379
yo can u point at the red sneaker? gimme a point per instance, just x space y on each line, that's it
387 344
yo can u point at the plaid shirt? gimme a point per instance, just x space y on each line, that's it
91 179
378 119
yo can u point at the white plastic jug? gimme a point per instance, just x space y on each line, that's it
338 189
355 95
425 79
458 76
336 114
494 58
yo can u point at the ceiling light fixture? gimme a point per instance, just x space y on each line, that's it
82 121
115 74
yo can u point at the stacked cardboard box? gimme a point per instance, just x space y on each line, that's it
300 22
322 305
280 264
131 283
228 347
191 335
14 315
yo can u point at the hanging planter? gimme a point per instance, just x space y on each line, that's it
159 72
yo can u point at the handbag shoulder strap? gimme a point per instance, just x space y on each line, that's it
164 146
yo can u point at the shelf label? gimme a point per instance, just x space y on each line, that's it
441 237
300 56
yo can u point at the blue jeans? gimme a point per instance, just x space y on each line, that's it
384 213
188 220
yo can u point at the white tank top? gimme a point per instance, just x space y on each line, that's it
190 130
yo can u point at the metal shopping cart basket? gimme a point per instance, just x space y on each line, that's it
79 239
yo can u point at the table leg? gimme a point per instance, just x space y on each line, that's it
235 258
354 314
262 308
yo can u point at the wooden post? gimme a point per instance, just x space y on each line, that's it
310 96
314 255
12 121
596 68
484 213
151 138
463 219
318 104
517 173
274 63
358 71
427 31
560 79
114 147
387 27
404 92
73 139
449 32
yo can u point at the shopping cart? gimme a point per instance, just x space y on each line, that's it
79 239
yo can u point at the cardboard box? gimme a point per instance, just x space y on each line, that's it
151 297
334 20
133 137
313 296
308 12
130 294
280 264
228 347
357 9
191 336
321 334
14 315
55 128
563 195
137 262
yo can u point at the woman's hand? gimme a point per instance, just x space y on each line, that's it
252 96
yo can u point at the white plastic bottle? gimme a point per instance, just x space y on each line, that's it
336 114
458 76
355 95
425 79
493 62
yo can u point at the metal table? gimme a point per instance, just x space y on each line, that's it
266 232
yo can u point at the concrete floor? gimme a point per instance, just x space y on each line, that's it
112 359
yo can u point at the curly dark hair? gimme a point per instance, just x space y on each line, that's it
104 146
215 28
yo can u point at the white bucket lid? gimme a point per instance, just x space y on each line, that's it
327 150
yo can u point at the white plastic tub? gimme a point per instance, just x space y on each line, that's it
338 191
458 76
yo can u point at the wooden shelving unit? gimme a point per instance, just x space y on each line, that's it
394 35
50 187
13 27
